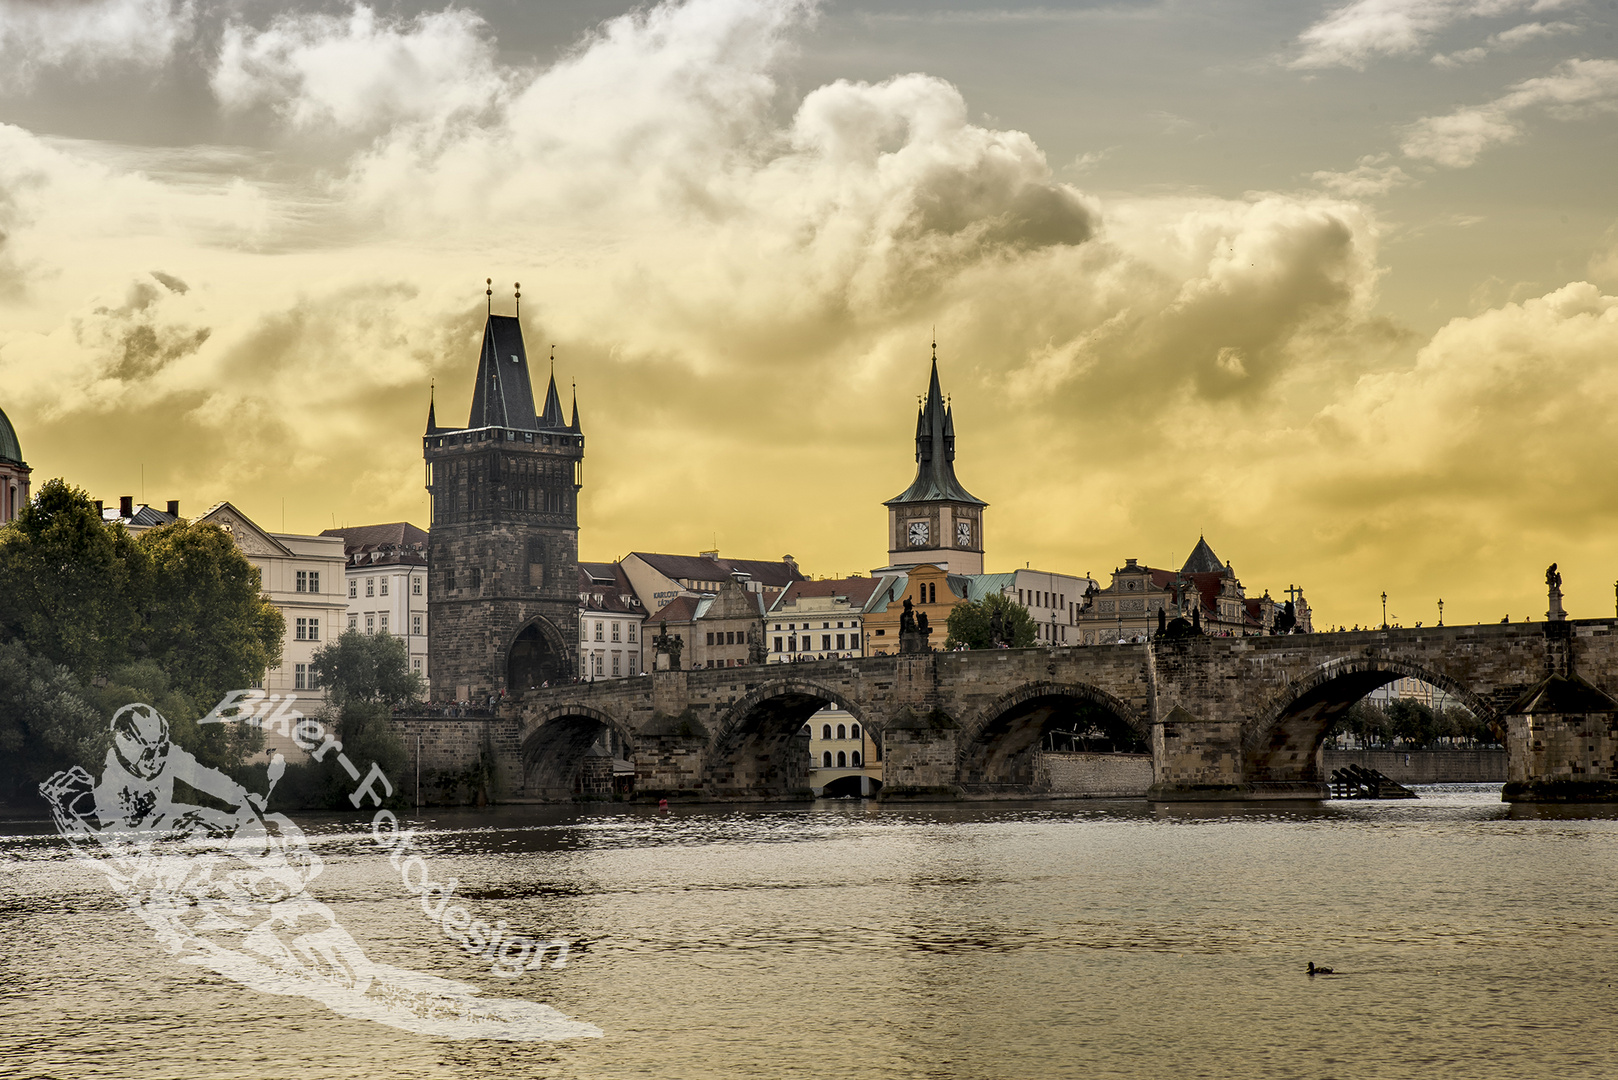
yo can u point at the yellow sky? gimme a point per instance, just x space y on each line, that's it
740 232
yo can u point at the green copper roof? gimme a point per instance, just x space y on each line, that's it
935 453
9 448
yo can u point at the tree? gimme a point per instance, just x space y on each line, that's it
71 586
973 624
96 618
47 722
367 668
364 676
206 621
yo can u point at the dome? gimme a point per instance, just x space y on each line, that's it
10 450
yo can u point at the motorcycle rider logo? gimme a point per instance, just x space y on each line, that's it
227 890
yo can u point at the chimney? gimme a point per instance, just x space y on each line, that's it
98 508
174 508
126 506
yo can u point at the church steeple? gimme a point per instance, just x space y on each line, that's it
574 426
935 451
432 417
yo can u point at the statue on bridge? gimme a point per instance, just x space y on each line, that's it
914 632
668 648
1553 583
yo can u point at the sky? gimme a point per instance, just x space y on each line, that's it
1331 283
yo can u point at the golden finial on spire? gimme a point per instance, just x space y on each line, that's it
488 293
517 309
553 361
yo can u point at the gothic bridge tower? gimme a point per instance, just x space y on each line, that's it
503 545
935 519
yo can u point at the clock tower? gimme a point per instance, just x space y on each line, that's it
935 519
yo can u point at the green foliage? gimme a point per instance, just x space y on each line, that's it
367 668
207 621
46 722
92 618
1411 724
972 624
71 587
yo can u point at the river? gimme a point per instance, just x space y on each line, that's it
849 939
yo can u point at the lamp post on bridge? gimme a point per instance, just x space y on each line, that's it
1441 613
1384 609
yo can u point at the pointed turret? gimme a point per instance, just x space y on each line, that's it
935 451
552 418
432 416
574 426
503 395
1202 560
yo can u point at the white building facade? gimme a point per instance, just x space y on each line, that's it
303 577
824 620
385 582
612 623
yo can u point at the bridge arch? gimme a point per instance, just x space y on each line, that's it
996 745
756 749
555 742
1282 743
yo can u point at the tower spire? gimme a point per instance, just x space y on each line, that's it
574 426
488 296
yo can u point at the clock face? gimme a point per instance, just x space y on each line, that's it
918 534
963 534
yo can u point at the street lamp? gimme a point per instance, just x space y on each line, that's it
1441 613
1384 609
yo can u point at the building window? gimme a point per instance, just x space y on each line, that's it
584 630
631 632
615 631
477 577
415 586
303 630
303 581
854 759
792 644
370 623
825 643
615 659
415 624
777 644
384 591
842 760
416 664
353 621
599 632
300 676
853 641
778 626
841 645
825 733
353 587
842 732
825 759
854 731
598 663
370 583
384 618
449 581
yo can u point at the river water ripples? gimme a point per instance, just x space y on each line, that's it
848 939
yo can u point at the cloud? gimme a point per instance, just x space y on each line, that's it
360 72
1503 41
89 36
1458 139
1370 178
1353 35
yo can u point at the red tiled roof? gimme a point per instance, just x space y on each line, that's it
608 581
857 590
682 609
398 534
776 575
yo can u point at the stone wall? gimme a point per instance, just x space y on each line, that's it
1093 776
453 747
1426 766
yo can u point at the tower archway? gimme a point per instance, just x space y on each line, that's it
536 658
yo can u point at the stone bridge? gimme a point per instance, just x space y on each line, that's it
1223 717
